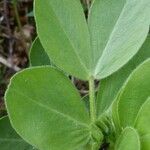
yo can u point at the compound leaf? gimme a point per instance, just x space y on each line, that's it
64 34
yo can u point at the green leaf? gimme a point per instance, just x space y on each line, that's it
38 56
118 28
63 32
132 95
110 86
115 37
142 122
9 139
145 142
128 140
47 111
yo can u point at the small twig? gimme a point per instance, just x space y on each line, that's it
6 17
17 15
6 12
8 64
15 5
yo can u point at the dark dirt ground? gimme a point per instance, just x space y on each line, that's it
17 30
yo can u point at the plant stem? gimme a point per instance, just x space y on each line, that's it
15 2
92 99
17 14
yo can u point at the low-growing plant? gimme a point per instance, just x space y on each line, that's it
112 46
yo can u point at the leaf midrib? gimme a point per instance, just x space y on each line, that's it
72 45
96 72
51 109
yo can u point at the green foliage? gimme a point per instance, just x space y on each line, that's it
145 142
118 29
63 32
9 139
128 140
48 99
120 41
131 107
46 109
133 94
143 116
110 86
38 56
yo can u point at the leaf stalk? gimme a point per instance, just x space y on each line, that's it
92 99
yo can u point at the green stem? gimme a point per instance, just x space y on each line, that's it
92 99
17 15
